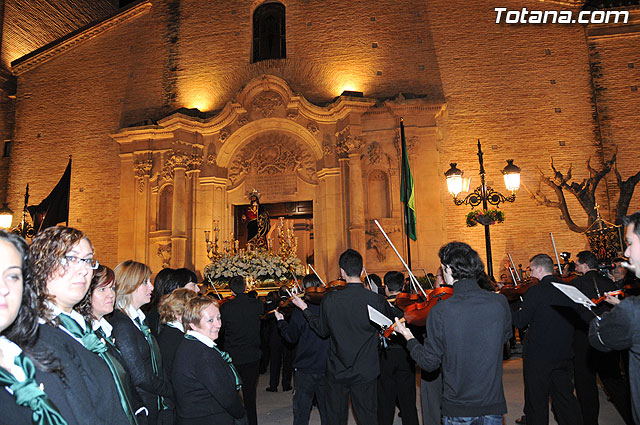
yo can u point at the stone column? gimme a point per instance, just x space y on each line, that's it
142 205
356 204
179 213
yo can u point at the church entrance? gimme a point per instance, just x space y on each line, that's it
287 219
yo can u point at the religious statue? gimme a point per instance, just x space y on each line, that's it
258 223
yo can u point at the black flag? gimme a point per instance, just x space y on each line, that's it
54 208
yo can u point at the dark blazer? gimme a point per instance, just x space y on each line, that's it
241 329
11 412
88 389
205 386
136 356
353 342
169 340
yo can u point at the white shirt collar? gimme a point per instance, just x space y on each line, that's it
102 323
10 350
177 325
135 314
79 318
202 338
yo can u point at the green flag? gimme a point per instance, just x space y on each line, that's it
407 194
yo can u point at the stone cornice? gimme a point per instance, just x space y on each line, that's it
68 42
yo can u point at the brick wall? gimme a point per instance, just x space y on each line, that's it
496 80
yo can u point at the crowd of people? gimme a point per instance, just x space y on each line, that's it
81 343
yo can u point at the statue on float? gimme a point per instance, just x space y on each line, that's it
258 223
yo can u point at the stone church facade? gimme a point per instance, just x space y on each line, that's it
172 119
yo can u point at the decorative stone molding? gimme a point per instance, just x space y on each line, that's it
375 153
224 134
271 154
142 169
313 128
376 240
346 143
243 120
412 141
164 252
292 114
267 102
190 162
328 148
211 158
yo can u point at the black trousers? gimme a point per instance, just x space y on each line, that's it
431 395
249 374
586 364
543 379
282 354
397 383
363 399
307 386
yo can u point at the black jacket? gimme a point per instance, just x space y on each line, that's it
551 317
353 339
311 353
136 355
465 335
241 329
169 340
587 284
90 390
619 329
204 384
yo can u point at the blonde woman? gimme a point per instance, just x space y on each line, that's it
139 349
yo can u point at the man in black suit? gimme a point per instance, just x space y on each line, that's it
241 339
588 361
548 348
352 364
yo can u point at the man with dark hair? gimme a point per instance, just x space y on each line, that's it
588 361
465 335
619 329
352 363
397 380
548 348
311 359
240 337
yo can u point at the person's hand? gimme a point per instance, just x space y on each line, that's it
299 302
403 330
278 315
611 299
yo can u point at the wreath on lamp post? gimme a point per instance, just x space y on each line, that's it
485 217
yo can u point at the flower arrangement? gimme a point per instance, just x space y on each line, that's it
260 265
485 217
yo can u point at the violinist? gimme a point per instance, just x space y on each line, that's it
352 361
280 351
548 348
396 382
588 361
310 361
465 335
241 339
623 278
619 329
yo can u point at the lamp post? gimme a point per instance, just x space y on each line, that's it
483 194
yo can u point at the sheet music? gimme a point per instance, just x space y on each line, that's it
574 294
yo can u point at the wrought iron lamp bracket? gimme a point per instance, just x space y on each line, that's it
492 197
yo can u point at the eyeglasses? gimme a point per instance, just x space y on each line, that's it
91 263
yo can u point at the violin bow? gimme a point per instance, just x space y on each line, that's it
556 252
428 278
214 287
411 276
298 286
317 275
513 265
367 277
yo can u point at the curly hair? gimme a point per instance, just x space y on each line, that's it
194 308
129 276
45 252
464 261
172 305
103 276
24 329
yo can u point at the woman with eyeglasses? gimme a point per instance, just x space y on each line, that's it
139 348
96 304
62 266
30 377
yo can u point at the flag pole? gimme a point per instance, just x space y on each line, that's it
69 197
405 191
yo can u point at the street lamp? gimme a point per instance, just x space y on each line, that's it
6 216
483 194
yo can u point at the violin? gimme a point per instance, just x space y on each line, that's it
416 313
314 294
597 301
514 292
226 299
337 284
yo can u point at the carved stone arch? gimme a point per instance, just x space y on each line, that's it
378 199
249 132
264 85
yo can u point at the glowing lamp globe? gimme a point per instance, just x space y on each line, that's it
454 179
6 216
511 176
